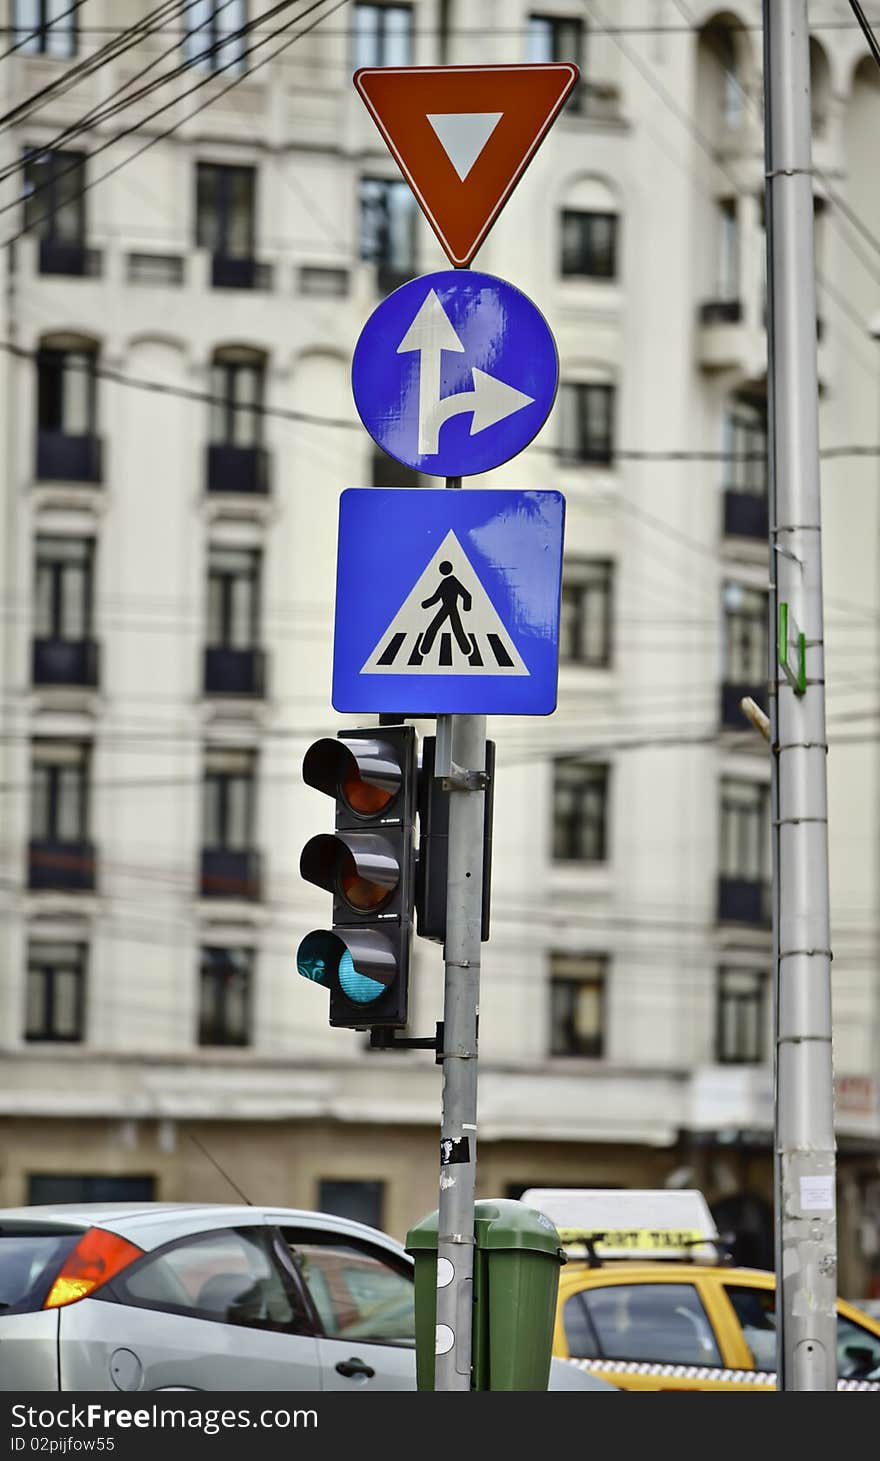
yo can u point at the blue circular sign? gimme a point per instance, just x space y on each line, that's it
454 373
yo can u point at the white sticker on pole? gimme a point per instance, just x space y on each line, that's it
817 1194
445 1272
444 1340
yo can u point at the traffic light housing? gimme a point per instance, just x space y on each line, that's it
433 859
368 864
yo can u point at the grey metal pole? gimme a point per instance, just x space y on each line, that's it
805 1205
458 1123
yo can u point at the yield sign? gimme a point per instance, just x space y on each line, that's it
463 136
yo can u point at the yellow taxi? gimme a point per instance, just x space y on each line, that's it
646 1321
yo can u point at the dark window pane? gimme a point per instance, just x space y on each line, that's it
225 996
382 35
48 1187
589 244
577 1004
580 806
585 613
360 1201
664 1322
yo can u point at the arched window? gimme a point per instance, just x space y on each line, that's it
589 229
238 376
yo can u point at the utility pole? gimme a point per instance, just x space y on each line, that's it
461 755
804 1148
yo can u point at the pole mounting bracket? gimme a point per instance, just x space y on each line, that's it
458 779
381 1039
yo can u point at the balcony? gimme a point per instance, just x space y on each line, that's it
238 469
745 514
720 312
227 273
732 717
65 662
73 260
63 458
598 454
744 901
235 672
230 874
67 867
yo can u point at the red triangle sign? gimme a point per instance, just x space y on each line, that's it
463 136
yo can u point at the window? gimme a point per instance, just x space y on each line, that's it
360 1201
59 791
238 380
745 830
745 446
745 635
577 1004
210 41
589 244
661 1322
44 27
225 996
586 413
580 811
858 1350
160 269
382 35
359 1293
388 227
225 210
233 597
228 807
741 1037
55 991
63 588
229 1276
557 38
54 198
316 280
66 390
585 612
728 250
51 1187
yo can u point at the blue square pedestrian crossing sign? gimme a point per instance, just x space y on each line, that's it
447 602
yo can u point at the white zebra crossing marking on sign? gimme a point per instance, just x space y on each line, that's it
446 625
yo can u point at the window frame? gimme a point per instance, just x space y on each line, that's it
597 982
224 584
597 772
53 362
44 31
739 1051
50 971
220 782
60 162
589 579
59 571
745 622
384 257
114 1291
239 1041
734 819
586 449
373 50
51 769
199 39
222 207
586 249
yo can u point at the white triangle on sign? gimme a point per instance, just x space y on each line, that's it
446 625
463 135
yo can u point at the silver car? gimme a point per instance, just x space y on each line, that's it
162 1296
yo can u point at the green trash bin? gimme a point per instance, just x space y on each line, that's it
517 1257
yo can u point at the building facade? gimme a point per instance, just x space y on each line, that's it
199 220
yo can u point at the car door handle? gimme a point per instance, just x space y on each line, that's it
354 1367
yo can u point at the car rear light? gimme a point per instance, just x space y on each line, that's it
97 1257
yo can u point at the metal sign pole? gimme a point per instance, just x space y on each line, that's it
806 1253
461 746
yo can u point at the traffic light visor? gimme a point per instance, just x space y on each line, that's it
362 962
362 867
366 774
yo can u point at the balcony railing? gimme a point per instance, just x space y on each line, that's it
71 259
744 900
230 874
745 514
595 454
238 469
65 662
235 672
732 693
227 273
64 866
720 312
63 458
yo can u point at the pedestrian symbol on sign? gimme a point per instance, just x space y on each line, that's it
442 643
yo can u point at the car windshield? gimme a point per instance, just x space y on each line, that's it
28 1264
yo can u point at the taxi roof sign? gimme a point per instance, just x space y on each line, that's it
630 1223
463 136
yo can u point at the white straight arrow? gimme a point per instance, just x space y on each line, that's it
491 399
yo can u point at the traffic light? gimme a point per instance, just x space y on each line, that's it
368 864
431 875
